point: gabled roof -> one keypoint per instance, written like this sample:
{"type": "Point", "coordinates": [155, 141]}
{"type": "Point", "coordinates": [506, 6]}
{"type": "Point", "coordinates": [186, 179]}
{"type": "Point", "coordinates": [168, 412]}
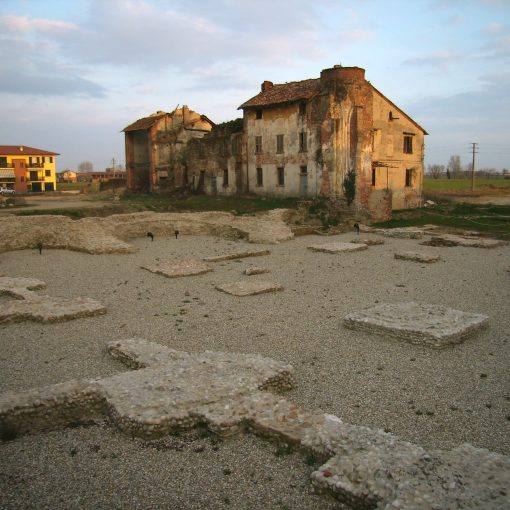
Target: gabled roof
{"type": "Point", "coordinates": [145, 122]}
{"type": "Point", "coordinates": [24, 150]}
{"type": "Point", "coordinates": [399, 109]}
{"type": "Point", "coordinates": [285, 93]}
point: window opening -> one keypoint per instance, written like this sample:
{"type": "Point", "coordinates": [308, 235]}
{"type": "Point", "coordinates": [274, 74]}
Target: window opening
{"type": "Point", "coordinates": [281, 176]}
{"type": "Point", "coordinates": [279, 144]}
{"type": "Point", "coordinates": [260, 181]}
{"type": "Point", "coordinates": [302, 141]}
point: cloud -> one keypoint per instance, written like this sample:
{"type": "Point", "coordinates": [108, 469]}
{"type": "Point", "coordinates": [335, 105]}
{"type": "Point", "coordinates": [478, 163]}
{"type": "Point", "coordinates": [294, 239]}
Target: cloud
{"type": "Point", "coordinates": [24, 24]}
{"type": "Point", "coordinates": [187, 35]}
{"type": "Point", "coordinates": [435, 59]}
{"type": "Point", "coordinates": [498, 45]}
{"type": "Point", "coordinates": [27, 68]}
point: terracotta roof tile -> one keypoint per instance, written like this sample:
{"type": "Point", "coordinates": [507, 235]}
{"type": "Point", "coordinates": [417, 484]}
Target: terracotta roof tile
{"type": "Point", "coordinates": [285, 93]}
{"type": "Point", "coordinates": [24, 150]}
{"type": "Point", "coordinates": [145, 122]}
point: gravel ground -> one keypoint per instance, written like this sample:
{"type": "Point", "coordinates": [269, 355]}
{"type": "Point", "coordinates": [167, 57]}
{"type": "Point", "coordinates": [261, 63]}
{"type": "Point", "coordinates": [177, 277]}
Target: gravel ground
{"type": "Point", "coordinates": [435, 398]}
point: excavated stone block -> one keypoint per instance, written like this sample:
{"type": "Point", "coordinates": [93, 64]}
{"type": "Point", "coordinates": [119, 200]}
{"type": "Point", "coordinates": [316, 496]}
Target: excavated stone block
{"type": "Point", "coordinates": [372, 469]}
{"type": "Point", "coordinates": [249, 287]}
{"type": "Point", "coordinates": [430, 325]}
{"type": "Point", "coordinates": [49, 309]}
{"type": "Point", "coordinates": [238, 255]}
{"type": "Point", "coordinates": [369, 241]}
{"type": "Point", "coordinates": [255, 270]}
{"type": "Point", "coordinates": [41, 308]}
{"type": "Point", "coordinates": [471, 242]}
{"type": "Point", "coordinates": [228, 392]}
{"type": "Point", "coordinates": [415, 256]}
{"type": "Point", "coordinates": [337, 247]}
{"type": "Point", "coordinates": [20, 288]}
{"type": "Point", "coordinates": [190, 267]}
{"type": "Point", "coordinates": [401, 233]}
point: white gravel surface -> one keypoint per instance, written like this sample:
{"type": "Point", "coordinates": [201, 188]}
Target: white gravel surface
{"type": "Point", "coordinates": [434, 398]}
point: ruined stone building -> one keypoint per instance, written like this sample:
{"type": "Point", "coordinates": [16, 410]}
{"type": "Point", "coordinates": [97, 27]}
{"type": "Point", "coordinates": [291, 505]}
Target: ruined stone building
{"type": "Point", "coordinates": [156, 148]}
{"type": "Point", "coordinates": [302, 138]}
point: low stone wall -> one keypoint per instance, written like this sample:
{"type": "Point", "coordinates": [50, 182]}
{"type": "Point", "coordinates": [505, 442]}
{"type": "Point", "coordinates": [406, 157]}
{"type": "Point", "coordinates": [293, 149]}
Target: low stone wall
{"type": "Point", "coordinates": [110, 234]}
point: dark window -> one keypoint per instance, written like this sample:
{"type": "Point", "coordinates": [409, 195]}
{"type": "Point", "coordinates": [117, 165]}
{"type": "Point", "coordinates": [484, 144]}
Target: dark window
{"type": "Point", "coordinates": [408, 144]}
{"type": "Point", "coordinates": [22, 179]}
{"type": "Point", "coordinates": [38, 159]}
{"type": "Point", "coordinates": [281, 176]}
{"type": "Point", "coordinates": [44, 159]}
{"type": "Point", "coordinates": [30, 161]}
{"type": "Point", "coordinates": [47, 173]}
{"type": "Point", "coordinates": [51, 159]}
{"type": "Point", "coordinates": [260, 180]}
{"type": "Point", "coordinates": [258, 113]}
{"type": "Point", "coordinates": [279, 144]}
{"type": "Point", "coordinates": [225, 178]}
{"type": "Point", "coordinates": [409, 176]}
{"type": "Point", "coordinates": [303, 170]}
{"type": "Point", "coordinates": [302, 142]}
{"type": "Point", "coordinates": [258, 144]}
{"type": "Point", "coordinates": [373, 176]}
{"type": "Point", "coordinates": [302, 108]}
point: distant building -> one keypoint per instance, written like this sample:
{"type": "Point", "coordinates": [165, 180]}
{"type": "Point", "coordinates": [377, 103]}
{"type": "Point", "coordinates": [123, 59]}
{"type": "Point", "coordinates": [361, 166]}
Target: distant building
{"type": "Point", "coordinates": [27, 168]}
{"type": "Point", "coordinates": [67, 176]}
{"type": "Point", "coordinates": [156, 148]}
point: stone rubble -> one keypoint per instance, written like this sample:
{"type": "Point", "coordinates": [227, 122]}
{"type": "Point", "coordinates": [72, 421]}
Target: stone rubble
{"type": "Point", "coordinates": [337, 247]}
{"type": "Point", "coordinates": [250, 271]}
{"type": "Point", "coordinates": [175, 269]}
{"type": "Point", "coordinates": [28, 305]}
{"type": "Point", "coordinates": [249, 287]}
{"type": "Point", "coordinates": [369, 241]}
{"type": "Point", "coordinates": [429, 325]}
{"type": "Point", "coordinates": [237, 255]}
{"type": "Point", "coordinates": [110, 234]}
{"type": "Point", "coordinates": [415, 256]}
{"type": "Point", "coordinates": [457, 240]}
{"type": "Point", "coordinates": [172, 390]}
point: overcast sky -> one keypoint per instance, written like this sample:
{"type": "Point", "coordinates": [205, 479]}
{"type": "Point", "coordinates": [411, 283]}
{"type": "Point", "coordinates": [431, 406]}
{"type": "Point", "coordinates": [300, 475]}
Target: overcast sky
{"type": "Point", "coordinates": [74, 73]}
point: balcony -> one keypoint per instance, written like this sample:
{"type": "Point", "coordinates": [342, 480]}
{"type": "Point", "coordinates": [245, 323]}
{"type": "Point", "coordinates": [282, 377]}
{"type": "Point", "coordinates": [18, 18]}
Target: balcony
{"type": "Point", "coordinates": [6, 165]}
{"type": "Point", "coordinates": [35, 165]}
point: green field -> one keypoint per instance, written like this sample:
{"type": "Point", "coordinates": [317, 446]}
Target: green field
{"type": "Point", "coordinates": [493, 220]}
{"type": "Point", "coordinates": [464, 184]}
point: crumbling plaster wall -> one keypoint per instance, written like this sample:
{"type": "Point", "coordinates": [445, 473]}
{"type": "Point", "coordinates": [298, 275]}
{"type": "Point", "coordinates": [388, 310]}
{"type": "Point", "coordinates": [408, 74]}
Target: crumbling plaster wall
{"type": "Point", "coordinates": [390, 127]}
{"type": "Point", "coordinates": [346, 132]}
{"type": "Point", "coordinates": [212, 156]}
{"type": "Point", "coordinates": [282, 120]}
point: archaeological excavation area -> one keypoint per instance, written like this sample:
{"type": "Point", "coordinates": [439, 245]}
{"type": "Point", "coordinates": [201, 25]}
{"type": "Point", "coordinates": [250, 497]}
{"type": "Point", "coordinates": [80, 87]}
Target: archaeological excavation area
{"type": "Point", "coordinates": [236, 366]}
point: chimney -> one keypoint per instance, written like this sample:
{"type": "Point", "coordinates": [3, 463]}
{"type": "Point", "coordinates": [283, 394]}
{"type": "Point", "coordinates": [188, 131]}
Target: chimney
{"type": "Point", "coordinates": [266, 85]}
{"type": "Point", "coordinates": [21, 148]}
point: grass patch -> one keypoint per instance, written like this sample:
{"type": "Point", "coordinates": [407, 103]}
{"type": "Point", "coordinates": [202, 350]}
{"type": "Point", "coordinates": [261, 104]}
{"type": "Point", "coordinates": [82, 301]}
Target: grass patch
{"type": "Point", "coordinates": [465, 184]}
{"type": "Point", "coordinates": [493, 220]}
{"type": "Point", "coordinates": [193, 203]}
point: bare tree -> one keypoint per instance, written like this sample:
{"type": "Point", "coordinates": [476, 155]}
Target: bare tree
{"type": "Point", "coordinates": [455, 166]}
{"type": "Point", "coordinates": [86, 167]}
{"type": "Point", "coordinates": [435, 171]}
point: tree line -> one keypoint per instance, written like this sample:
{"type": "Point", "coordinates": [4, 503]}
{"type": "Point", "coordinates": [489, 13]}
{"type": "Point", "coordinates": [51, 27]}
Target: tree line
{"type": "Point", "coordinates": [456, 170]}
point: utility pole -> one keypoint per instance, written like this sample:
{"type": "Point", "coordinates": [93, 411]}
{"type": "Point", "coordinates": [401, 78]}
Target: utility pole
{"type": "Point", "coordinates": [474, 150]}
{"type": "Point", "coordinates": [113, 164]}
